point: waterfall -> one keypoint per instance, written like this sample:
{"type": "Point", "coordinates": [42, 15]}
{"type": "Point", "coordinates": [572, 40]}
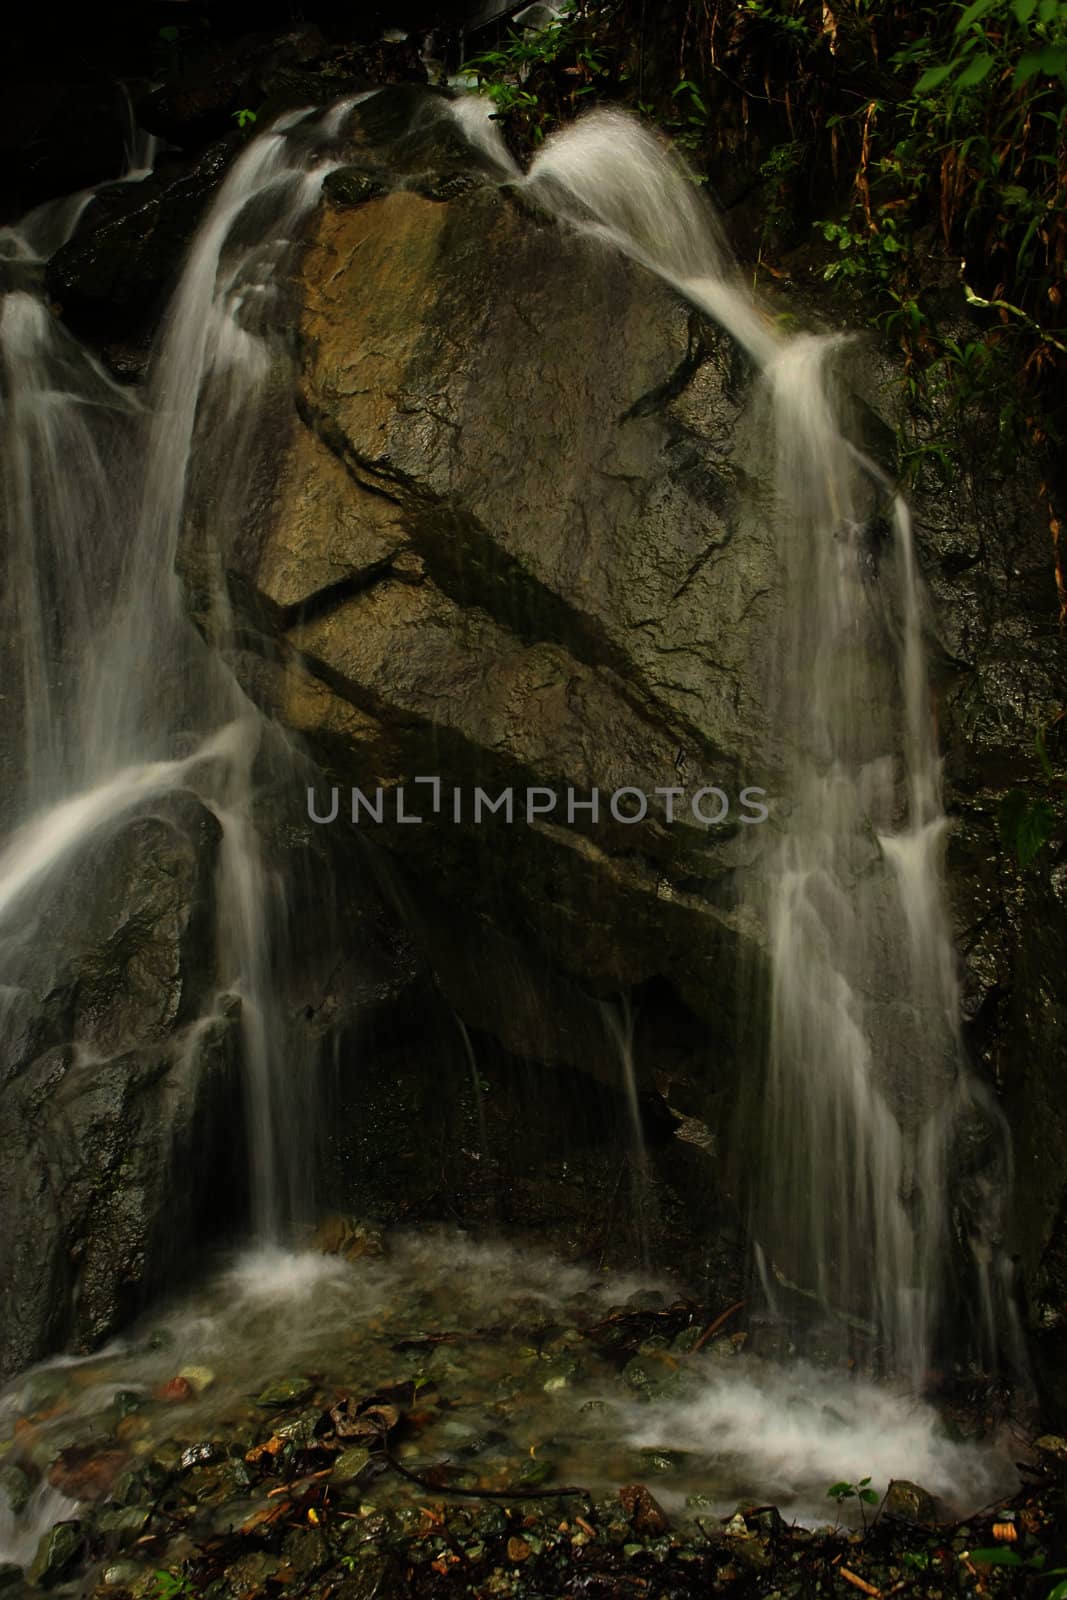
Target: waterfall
{"type": "Point", "coordinates": [865, 1095]}
{"type": "Point", "coordinates": [860, 1204]}
{"type": "Point", "coordinates": [124, 702]}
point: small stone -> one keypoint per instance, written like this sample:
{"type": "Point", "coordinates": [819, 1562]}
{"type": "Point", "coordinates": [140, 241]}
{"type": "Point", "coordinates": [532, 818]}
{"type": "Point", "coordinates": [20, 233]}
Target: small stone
{"type": "Point", "coordinates": [123, 1523]}
{"type": "Point", "coordinates": [200, 1455]}
{"type": "Point", "coordinates": [83, 1473]}
{"type": "Point", "coordinates": [348, 186]}
{"type": "Point", "coordinates": [647, 1516]}
{"type": "Point", "coordinates": [175, 1390]}
{"type": "Point", "coordinates": [518, 1550]}
{"type": "Point", "coordinates": [120, 1574]}
{"type": "Point", "coordinates": [286, 1392]}
{"type": "Point", "coordinates": [199, 1378]}
{"type": "Point", "coordinates": [57, 1551]}
{"type": "Point", "coordinates": [490, 1520]}
{"type": "Point", "coordinates": [636, 1374]}
{"type": "Point", "coordinates": [299, 1429]}
{"type": "Point", "coordinates": [646, 1300]}
{"type": "Point", "coordinates": [350, 1465]}
{"type": "Point", "coordinates": [1052, 1444]}
{"type": "Point", "coordinates": [535, 1473]}
{"type": "Point", "coordinates": [16, 1486]}
{"type": "Point", "coordinates": [909, 1502]}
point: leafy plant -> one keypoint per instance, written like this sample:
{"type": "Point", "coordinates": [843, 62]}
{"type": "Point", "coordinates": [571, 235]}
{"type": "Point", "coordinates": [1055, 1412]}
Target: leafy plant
{"type": "Point", "coordinates": [1036, 31]}
{"type": "Point", "coordinates": [1004, 1556]}
{"type": "Point", "coordinates": [1028, 821]}
{"type": "Point", "coordinates": [689, 126]}
{"type": "Point", "coordinates": [170, 1586]}
{"type": "Point", "coordinates": [538, 77]}
{"type": "Point", "coordinates": [244, 118]}
{"type": "Point", "coordinates": [858, 1491]}
{"type": "Point", "coordinates": [861, 1492]}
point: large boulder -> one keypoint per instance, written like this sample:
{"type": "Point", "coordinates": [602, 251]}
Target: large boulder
{"type": "Point", "coordinates": [502, 550]}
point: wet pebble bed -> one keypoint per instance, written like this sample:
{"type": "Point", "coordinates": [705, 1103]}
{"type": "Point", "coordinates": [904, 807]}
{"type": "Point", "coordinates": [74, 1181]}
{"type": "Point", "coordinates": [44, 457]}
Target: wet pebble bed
{"type": "Point", "coordinates": [428, 1414]}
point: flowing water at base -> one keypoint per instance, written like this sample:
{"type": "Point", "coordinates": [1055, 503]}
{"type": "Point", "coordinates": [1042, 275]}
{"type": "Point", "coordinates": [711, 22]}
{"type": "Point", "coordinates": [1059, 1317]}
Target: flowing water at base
{"type": "Point", "coordinates": [526, 1372]}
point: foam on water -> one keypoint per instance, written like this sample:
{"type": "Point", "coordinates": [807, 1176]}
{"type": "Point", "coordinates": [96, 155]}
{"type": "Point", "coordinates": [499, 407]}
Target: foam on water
{"type": "Point", "coordinates": [785, 1434]}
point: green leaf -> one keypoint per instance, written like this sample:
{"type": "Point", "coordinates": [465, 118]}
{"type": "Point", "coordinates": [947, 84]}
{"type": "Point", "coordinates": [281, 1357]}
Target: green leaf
{"type": "Point", "coordinates": [1059, 1592]}
{"type": "Point", "coordinates": [1051, 61]}
{"type": "Point", "coordinates": [168, 35]}
{"type": "Point", "coordinates": [975, 71]}
{"type": "Point", "coordinates": [839, 1491]}
{"type": "Point", "coordinates": [869, 1497]}
{"type": "Point", "coordinates": [1023, 10]}
{"type": "Point", "coordinates": [976, 11]}
{"type": "Point", "coordinates": [998, 1556]}
{"type": "Point", "coordinates": [1047, 10]}
{"type": "Point", "coordinates": [934, 77]}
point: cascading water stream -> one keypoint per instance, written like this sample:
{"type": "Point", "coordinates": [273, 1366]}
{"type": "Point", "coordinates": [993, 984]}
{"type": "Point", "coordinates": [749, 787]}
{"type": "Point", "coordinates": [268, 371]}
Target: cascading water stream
{"type": "Point", "coordinates": [98, 487]}
{"type": "Point", "coordinates": [866, 1089]}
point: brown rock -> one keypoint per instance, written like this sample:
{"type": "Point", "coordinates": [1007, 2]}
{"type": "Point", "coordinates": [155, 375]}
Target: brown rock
{"type": "Point", "coordinates": [177, 1389]}
{"type": "Point", "coordinates": [646, 1515]}
{"type": "Point", "coordinates": [84, 1473]}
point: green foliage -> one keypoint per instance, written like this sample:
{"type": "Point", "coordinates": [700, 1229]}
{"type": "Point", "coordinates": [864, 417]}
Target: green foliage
{"type": "Point", "coordinates": [1005, 1556]}
{"type": "Point", "coordinates": [853, 1491]}
{"type": "Point", "coordinates": [965, 163]}
{"type": "Point", "coordinates": [537, 79]}
{"type": "Point", "coordinates": [169, 1586]}
{"type": "Point", "coordinates": [688, 120]}
{"type": "Point", "coordinates": [1032, 32]}
{"type": "Point", "coordinates": [1028, 820]}
{"type": "Point", "coordinates": [244, 118]}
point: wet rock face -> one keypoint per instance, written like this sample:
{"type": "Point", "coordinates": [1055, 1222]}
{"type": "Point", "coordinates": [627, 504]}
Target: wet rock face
{"type": "Point", "coordinates": [502, 548]}
{"type": "Point", "coordinates": [126, 1134]}
{"type": "Point", "coordinates": [114, 273]}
